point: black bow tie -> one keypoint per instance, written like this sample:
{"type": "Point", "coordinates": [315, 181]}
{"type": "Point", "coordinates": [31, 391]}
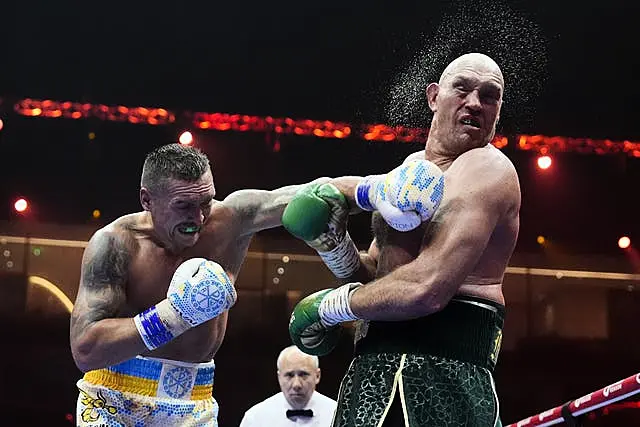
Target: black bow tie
{"type": "Point", "coordinates": [299, 413]}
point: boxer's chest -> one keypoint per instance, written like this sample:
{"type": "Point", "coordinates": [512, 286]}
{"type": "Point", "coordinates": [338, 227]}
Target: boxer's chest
{"type": "Point", "coordinates": [152, 270]}
{"type": "Point", "coordinates": [396, 248]}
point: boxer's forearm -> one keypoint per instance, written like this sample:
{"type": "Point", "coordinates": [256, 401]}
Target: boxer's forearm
{"type": "Point", "coordinates": [405, 293]}
{"type": "Point", "coordinates": [402, 301]}
{"type": "Point", "coordinates": [107, 342]}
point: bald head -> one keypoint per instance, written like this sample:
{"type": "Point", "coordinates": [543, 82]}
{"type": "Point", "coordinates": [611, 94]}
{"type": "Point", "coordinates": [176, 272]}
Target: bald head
{"type": "Point", "coordinates": [298, 375]}
{"type": "Point", "coordinates": [466, 105]}
{"type": "Point", "coordinates": [293, 352]}
{"type": "Point", "coordinates": [477, 62]}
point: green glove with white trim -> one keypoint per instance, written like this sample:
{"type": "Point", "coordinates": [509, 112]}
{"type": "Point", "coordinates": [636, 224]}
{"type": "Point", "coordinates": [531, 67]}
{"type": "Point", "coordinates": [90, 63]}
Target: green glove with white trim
{"type": "Point", "coordinates": [315, 322]}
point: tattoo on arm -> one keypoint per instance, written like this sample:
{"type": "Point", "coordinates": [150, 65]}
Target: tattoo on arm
{"type": "Point", "coordinates": [262, 209]}
{"type": "Point", "coordinates": [105, 268]}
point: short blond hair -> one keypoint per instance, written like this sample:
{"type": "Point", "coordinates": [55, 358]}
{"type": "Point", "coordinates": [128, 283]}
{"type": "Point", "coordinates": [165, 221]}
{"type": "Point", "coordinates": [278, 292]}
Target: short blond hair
{"type": "Point", "coordinates": [293, 348]}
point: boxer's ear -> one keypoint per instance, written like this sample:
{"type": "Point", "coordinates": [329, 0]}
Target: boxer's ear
{"type": "Point", "coordinates": [432, 94]}
{"type": "Point", "coordinates": [145, 199]}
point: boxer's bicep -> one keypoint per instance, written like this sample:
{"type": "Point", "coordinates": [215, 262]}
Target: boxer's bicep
{"type": "Point", "coordinates": [458, 235]}
{"type": "Point", "coordinates": [458, 240]}
{"type": "Point", "coordinates": [262, 209]}
{"type": "Point", "coordinates": [103, 278]}
{"type": "Point", "coordinates": [426, 284]}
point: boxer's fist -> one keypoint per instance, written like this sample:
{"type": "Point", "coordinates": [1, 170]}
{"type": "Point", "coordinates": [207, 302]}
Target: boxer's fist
{"type": "Point", "coordinates": [318, 215]}
{"type": "Point", "coordinates": [306, 329]}
{"type": "Point", "coordinates": [200, 290]}
{"type": "Point", "coordinates": [405, 197]}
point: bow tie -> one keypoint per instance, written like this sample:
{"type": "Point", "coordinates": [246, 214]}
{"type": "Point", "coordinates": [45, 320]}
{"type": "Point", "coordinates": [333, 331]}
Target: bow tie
{"type": "Point", "coordinates": [299, 413]}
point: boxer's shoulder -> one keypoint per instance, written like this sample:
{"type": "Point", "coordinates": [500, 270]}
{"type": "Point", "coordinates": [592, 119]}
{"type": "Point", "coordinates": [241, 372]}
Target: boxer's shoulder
{"type": "Point", "coordinates": [481, 166]}
{"type": "Point", "coordinates": [484, 176]}
{"type": "Point", "coordinates": [121, 234]}
{"type": "Point", "coordinates": [418, 155]}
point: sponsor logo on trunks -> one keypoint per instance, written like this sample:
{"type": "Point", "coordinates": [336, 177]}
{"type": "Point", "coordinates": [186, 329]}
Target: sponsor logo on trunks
{"type": "Point", "coordinates": [612, 388]}
{"type": "Point", "coordinates": [524, 422]}
{"type": "Point", "coordinates": [638, 378]}
{"type": "Point", "coordinates": [583, 400]}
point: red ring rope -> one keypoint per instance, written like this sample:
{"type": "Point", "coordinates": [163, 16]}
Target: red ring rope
{"type": "Point", "coordinates": [587, 403]}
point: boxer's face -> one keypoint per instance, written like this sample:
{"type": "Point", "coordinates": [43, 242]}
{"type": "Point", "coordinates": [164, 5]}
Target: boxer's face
{"type": "Point", "coordinates": [298, 378]}
{"type": "Point", "coordinates": [180, 210]}
{"type": "Point", "coordinates": [466, 105]}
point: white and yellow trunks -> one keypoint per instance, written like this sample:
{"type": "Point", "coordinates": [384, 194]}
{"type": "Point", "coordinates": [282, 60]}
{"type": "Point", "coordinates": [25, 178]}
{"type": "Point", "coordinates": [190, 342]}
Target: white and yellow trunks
{"type": "Point", "coordinates": [148, 392]}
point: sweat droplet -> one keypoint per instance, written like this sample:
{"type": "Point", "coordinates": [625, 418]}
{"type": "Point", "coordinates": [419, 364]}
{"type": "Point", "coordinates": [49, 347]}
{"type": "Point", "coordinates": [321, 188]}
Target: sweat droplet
{"type": "Point", "coordinates": [513, 40]}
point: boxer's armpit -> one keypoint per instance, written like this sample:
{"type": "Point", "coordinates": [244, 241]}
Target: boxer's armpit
{"type": "Point", "coordinates": [105, 268]}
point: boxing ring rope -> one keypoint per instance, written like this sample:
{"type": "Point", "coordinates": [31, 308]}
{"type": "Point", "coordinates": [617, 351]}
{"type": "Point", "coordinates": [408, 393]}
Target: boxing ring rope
{"type": "Point", "coordinates": [587, 403]}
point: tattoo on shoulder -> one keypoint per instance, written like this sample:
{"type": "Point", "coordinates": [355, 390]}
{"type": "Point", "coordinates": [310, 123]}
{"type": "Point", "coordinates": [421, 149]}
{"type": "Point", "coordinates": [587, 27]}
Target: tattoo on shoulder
{"type": "Point", "coordinates": [103, 281]}
{"type": "Point", "coordinates": [109, 262]}
{"type": "Point", "coordinates": [242, 202]}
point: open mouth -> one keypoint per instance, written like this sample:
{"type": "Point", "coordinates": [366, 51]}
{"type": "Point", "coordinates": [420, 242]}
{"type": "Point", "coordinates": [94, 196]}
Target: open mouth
{"type": "Point", "coordinates": [188, 229]}
{"type": "Point", "coordinates": [471, 121]}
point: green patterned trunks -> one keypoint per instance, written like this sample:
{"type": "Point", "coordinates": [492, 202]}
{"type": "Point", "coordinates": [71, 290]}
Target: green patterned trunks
{"type": "Point", "coordinates": [433, 371]}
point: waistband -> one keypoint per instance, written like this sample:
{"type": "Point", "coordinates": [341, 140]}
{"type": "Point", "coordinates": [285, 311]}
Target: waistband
{"type": "Point", "coordinates": [468, 329]}
{"type": "Point", "coordinates": [157, 378]}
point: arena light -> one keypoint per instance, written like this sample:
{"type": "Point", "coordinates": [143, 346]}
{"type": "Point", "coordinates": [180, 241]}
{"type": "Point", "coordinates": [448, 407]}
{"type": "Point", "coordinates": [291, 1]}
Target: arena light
{"type": "Point", "coordinates": [1, 124]}
{"type": "Point", "coordinates": [544, 162]}
{"type": "Point", "coordinates": [186, 138]}
{"type": "Point", "coordinates": [540, 144]}
{"type": "Point", "coordinates": [624, 242]}
{"type": "Point", "coordinates": [21, 205]}
{"type": "Point", "coordinates": [541, 240]}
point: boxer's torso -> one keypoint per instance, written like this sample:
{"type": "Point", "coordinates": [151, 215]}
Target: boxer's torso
{"type": "Point", "coordinates": [152, 268]}
{"type": "Point", "coordinates": [485, 280]}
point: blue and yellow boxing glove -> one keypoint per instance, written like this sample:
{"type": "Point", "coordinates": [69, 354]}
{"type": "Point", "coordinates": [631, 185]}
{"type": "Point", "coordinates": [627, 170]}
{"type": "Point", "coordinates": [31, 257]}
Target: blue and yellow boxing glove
{"type": "Point", "coordinates": [405, 197]}
{"type": "Point", "coordinates": [314, 326]}
{"type": "Point", "coordinates": [199, 291]}
{"type": "Point", "coordinates": [318, 214]}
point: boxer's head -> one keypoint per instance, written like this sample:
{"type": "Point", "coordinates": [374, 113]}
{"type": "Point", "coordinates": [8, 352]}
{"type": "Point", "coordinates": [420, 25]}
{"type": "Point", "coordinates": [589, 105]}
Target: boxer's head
{"type": "Point", "coordinates": [466, 103]}
{"type": "Point", "coordinates": [298, 375]}
{"type": "Point", "coordinates": [177, 189]}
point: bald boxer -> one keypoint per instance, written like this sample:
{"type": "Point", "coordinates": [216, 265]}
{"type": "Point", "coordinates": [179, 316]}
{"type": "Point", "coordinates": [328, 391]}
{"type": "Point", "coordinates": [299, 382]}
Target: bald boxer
{"type": "Point", "coordinates": [430, 323]}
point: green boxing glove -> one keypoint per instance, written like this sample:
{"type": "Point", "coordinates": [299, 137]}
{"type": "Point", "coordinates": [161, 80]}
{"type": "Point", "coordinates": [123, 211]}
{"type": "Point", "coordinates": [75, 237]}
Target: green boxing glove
{"type": "Point", "coordinates": [314, 324]}
{"type": "Point", "coordinates": [318, 214]}
{"type": "Point", "coordinates": [307, 214]}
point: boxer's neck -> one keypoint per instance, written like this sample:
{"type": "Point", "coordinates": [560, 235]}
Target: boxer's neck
{"type": "Point", "coordinates": [435, 153]}
{"type": "Point", "coordinates": [439, 153]}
